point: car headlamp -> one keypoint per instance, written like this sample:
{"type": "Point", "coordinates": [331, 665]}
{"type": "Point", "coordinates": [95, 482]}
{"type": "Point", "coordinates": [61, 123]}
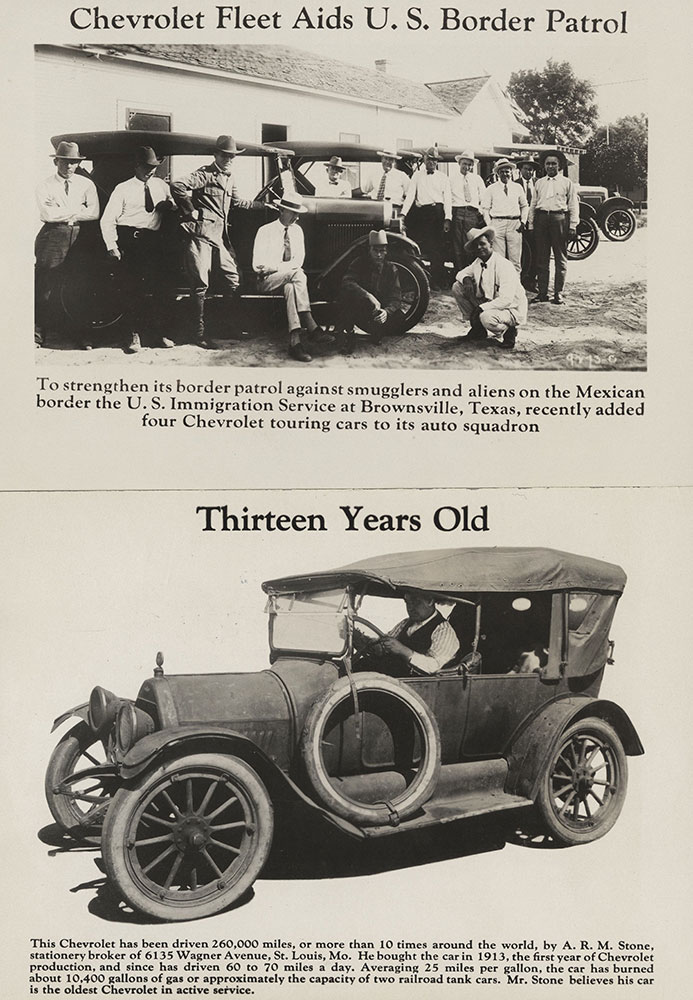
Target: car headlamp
{"type": "Point", "coordinates": [132, 724]}
{"type": "Point", "coordinates": [103, 706]}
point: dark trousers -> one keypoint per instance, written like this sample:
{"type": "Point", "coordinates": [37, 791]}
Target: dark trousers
{"type": "Point", "coordinates": [425, 226]}
{"type": "Point", "coordinates": [357, 307]}
{"type": "Point", "coordinates": [551, 235]}
{"type": "Point", "coordinates": [529, 260]}
{"type": "Point", "coordinates": [464, 218]}
{"type": "Point", "coordinates": [52, 246]}
{"type": "Point", "coordinates": [141, 277]}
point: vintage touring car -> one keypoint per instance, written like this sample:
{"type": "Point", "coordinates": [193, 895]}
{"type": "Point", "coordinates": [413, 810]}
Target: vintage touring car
{"type": "Point", "coordinates": [336, 230]}
{"type": "Point", "coordinates": [196, 764]}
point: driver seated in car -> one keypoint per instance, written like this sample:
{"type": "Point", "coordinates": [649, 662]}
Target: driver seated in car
{"type": "Point", "coordinates": [422, 643]}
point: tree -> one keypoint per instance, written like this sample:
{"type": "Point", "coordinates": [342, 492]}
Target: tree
{"type": "Point", "coordinates": [559, 107]}
{"type": "Point", "coordinates": [616, 155]}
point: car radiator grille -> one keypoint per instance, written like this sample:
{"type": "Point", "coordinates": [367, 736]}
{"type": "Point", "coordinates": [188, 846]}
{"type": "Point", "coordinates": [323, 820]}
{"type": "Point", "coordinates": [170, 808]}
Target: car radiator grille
{"type": "Point", "coordinates": [341, 235]}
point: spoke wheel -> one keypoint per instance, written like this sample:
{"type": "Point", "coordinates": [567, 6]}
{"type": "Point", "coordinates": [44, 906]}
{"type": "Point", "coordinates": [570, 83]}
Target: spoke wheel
{"type": "Point", "coordinates": [585, 241]}
{"type": "Point", "coordinates": [584, 786]}
{"type": "Point", "coordinates": [78, 804]}
{"type": "Point", "coordinates": [190, 838]}
{"type": "Point", "coordinates": [620, 224]}
{"type": "Point", "coordinates": [415, 288]}
{"type": "Point", "coordinates": [92, 299]}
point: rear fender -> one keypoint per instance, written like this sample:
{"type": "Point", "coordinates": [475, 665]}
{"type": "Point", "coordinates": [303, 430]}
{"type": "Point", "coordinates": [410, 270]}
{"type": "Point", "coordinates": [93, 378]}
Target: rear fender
{"type": "Point", "coordinates": [610, 204]}
{"type": "Point", "coordinates": [533, 748]}
{"type": "Point", "coordinates": [395, 241]}
{"type": "Point", "coordinates": [79, 711]}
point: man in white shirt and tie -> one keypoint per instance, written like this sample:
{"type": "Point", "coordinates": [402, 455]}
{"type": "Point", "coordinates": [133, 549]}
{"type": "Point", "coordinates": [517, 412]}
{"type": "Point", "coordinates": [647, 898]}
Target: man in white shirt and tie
{"type": "Point", "coordinates": [505, 209]}
{"type": "Point", "coordinates": [278, 255]}
{"type": "Point", "coordinates": [391, 184]}
{"type": "Point", "coordinates": [66, 199]}
{"type": "Point", "coordinates": [334, 184]}
{"type": "Point", "coordinates": [131, 230]}
{"type": "Point", "coordinates": [468, 191]}
{"type": "Point", "coordinates": [554, 216]}
{"type": "Point", "coordinates": [428, 211]}
{"type": "Point", "coordinates": [489, 292]}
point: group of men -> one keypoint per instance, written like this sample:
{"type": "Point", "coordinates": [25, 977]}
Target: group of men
{"type": "Point", "coordinates": [485, 224]}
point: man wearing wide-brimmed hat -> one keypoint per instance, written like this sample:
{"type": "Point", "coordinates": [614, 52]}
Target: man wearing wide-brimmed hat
{"type": "Point", "coordinates": [334, 184]}
{"type": "Point", "coordinates": [489, 292]}
{"type": "Point", "coordinates": [205, 198]}
{"type": "Point", "coordinates": [65, 200]}
{"type": "Point", "coordinates": [468, 190]}
{"type": "Point", "coordinates": [278, 256]}
{"type": "Point", "coordinates": [131, 230]}
{"type": "Point", "coordinates": [505, 208]}
{"type": "Point", "coordinates": [370, 296]}
{"type": "Point", "coordinates": [390, 184]}
{"type": "Point", "coordinates": [428, 211]}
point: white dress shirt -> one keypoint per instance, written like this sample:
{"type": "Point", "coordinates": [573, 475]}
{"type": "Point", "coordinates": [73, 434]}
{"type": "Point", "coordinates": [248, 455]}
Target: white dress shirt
{"type": "Point", "coordinates": [498, 283]}
{"type": "Point", "coordinates": [396, 184]}
{"type": "Point", "coordinates": [325, 188]}
{"type": "Point", "coordinates": [429, 189]}
{"type": "Point", "coordinates": [556, 194]}
{"type": "Point", "coordinates": [497, 204]}
{"type": "Point", "coordinates": [444, 645]}
{"type": "Point", "coordinates": [268, 251]}
{"type": "Point", "coordinates": [79, 204]}
{"type": "Point", "coordinates": [471, 194]}
{"type": "Point", "coordinates": [126, 208]}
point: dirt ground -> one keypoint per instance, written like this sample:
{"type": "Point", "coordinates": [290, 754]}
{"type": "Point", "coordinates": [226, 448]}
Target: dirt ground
{"type": "Point", "coordinates": [602, 325]}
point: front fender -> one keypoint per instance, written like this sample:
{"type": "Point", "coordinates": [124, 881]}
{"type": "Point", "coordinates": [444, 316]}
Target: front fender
{"type": "Point", "coordinates": [533, 748]}
{"type": "Point", "coordinates": [79, 711]}
{"type": "Point", "coordinates": [394, 240]}
{"type": "Point", "coordinates": [587, 212]}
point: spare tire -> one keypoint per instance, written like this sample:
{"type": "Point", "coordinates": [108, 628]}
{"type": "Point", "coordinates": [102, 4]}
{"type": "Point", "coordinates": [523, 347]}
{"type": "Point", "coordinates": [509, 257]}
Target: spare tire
{"type": "Point", "coordinates": [404, 726]}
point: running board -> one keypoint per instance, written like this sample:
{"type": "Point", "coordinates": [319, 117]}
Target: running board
{"type": "Point", "coordinates": [451, 810]}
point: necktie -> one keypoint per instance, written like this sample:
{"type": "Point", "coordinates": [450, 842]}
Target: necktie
{"type": "Point", "coordinates": [467, 192]}
{"type": "Point", "coordinates": [505, 188]}
{"type": "Point", "coordinates": [529, 193]}
{"type": "Point", "coordinates": [482, 293]}
{"type": "Point", "coordinates": [381, 189]}
{"type": "Point", "coordinates": [67, 188]}
{"type": "Point", "coordinates": [148, 200]}
{"type": "Point", "coordinates": [287, 244]}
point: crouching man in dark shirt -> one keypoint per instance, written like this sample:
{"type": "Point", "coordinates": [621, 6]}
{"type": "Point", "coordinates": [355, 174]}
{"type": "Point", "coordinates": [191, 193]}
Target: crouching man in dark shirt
{"type": "Point", "coordinates": [370, 297]}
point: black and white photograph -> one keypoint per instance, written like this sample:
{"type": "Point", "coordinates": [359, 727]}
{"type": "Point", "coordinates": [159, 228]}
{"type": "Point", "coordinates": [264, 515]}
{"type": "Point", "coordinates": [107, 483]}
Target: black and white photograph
{"type": "Point", "coordinates": [272, 205]}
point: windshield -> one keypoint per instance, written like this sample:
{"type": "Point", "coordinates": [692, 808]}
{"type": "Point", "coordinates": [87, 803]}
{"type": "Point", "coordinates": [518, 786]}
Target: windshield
{"type": "Point", "coordinates": [309, 622]}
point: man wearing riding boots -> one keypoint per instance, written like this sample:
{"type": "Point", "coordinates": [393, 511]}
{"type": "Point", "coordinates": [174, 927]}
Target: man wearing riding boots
{"type": "Point", "coordinates": [468, 190]}
{"type": "Point", "coordinates": [422, 643]}
{"type": "Point", "coordinates": [131, 230]}
{"type": "Point", "coordinates": [554, 216]}
{"type": "Point", "coordinates": [489, 293]}
{"type": "Point", "coordinates": [205, 198]}
{"type": "Point", "coordinates": [278, 256]}
{"type": "Point", "coordinates": [65, 200]}
{"type": "Point", "coordinates": [334, 184]}
{"type": "Point", "coordinates": [428, 211]}
{"type": "Point", "coordinates": [370, 296]}
{"type": "Point", "coordinates": [526, 180]}
{"type": "Point", "coordinates": [390, 185]}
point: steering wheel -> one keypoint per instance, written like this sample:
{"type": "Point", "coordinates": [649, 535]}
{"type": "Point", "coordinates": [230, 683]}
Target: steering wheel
{"type": "Point", "coordinates": [373, 628]}
{"type": "Point", "coordinates": [271, 190]}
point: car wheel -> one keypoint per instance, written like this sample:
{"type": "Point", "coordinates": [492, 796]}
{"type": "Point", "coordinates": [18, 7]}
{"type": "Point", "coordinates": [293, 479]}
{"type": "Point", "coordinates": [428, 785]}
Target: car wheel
{"type": "Point", "coordinates": [337, 744]}
{"type": "Point", "coordinates": [92, 299]}
{"type": "Point", "coordinates": [585, 241]}
{"type": "Point", "coordinates": [584, 785]}
{"type": "Point", "coordinates": [78, 805]}
{"type": "Point", "coordinates": [414, 285]}
{"type": "Point", "coordinates": [619, 224]}
{"type": "Point", "coordinates": [190, 838]}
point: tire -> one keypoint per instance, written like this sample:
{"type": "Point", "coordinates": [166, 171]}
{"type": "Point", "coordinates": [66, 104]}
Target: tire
{"type": "Point", "coordinates": [415, 288]}
{"type": "Point", "coordinates": [585, 241]}
{"type": "Point", "coordinates": [164, 854]}
{"type": "Point", "coordinates": [91, 297]}
{"type": "Point", "coordinates": [80, 807]}
{"type": "Point", "coordinates": [619, 224]}
{"type": "Point", "coordinates": [402, 714]}
{"type": "Point", "coordinates": [584, 785]}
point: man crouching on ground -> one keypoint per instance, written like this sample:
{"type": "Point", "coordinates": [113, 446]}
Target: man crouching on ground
{"type": "Point", "coordinates": [489, 292]}
{"type": "Point", "coordinates": [370, 296]}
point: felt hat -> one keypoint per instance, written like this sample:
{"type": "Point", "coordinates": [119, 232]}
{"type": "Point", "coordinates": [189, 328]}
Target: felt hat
{"type": "Point", "coordinates": [227, 144]}
{"type": "Point", "coordinates": [474, 235]}
{"type": "Point", "coordinates": [291, 202]}
{"type": "Point", "coordinates": [377, 238]}
{"type": "Point", "coordinates": [467, 154]}
{"type": "Point", "coordinates": [336, 162]}
{"type": "Point", "coordinates": [146, 157]}
{"type": "Point", "coordinates": [67, 151]}
{"type": "Point", "coordinates": [389, 154]}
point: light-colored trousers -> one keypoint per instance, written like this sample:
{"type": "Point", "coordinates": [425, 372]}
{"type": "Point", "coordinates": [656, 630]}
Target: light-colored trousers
{"type": "Point", "coordinates": [295, 288]}
{"type": "Point", "coordinates": [494, 321]}
{"type": "Point", "coordinates": [508, 242]}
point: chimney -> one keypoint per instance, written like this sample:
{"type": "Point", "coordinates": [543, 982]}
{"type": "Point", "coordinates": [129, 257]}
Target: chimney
{"type": "Point", "coordinates": [381, 65]}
